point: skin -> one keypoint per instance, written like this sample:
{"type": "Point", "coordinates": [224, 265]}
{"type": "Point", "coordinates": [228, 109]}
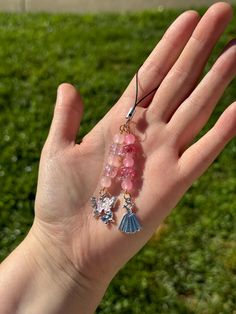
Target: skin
{"type": "Point", "coordinates": [68, 258]}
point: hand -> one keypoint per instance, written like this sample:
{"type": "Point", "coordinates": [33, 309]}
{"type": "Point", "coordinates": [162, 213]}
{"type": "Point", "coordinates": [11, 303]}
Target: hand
{"type": "Point", "coordinates": [167, 124]}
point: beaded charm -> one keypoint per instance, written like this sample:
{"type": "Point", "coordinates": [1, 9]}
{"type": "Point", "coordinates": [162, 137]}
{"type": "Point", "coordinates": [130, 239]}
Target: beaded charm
{"type": "Point", "coordinates": [120, 167]}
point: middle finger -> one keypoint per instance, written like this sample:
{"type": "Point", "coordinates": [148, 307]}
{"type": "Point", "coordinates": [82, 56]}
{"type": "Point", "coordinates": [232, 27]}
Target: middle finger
{"type": "Point", "coordinates": [181, 79]}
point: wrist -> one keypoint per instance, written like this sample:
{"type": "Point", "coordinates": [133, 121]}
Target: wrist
{"type": "Point", "coordinates": [41, 279]}
{"type": "Point", "coordinates": [77, 292]}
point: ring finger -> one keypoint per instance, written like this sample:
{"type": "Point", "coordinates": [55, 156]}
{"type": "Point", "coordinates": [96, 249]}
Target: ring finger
{"type": "Point", "coordinates": [192, 115]}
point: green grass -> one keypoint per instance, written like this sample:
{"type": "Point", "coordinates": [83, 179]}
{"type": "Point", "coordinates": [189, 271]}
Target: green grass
{"type": "Point", "coordinates": [188, 267]}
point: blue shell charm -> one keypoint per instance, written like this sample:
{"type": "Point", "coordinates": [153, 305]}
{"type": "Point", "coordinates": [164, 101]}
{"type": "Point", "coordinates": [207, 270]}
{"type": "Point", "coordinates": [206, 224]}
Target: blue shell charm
{"type": "Point", "coordinates": [129, 223]}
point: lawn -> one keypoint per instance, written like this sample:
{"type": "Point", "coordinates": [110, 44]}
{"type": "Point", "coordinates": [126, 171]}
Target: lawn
{"type": "Point", "coordinates": [189, 266]}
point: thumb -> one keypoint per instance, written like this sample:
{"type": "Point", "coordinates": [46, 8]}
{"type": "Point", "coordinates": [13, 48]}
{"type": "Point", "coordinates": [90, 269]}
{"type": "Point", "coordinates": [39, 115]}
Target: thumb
{"type": "Point", "coordinates": [67, 116]}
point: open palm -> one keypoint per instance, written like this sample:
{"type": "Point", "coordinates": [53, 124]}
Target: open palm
{"type": "Point", "coordinates": [166, 125]}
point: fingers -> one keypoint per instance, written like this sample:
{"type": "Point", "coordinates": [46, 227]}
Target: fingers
{"type": "Point", "coordinates": [162, 58]}
{"type": "Point", "coordinates": [197, 158]}
{"type": "Point", "coordinates": [67, 115]}
{"type": "Point", "coordinates": [182, 78]}
{"type": "Point", "coordinates": [193, 114]}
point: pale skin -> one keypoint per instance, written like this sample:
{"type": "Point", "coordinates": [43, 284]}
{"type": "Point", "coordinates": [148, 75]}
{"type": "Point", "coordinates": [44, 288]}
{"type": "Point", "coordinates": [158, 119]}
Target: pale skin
{"type": "Point", "coordinates": [67, 260]}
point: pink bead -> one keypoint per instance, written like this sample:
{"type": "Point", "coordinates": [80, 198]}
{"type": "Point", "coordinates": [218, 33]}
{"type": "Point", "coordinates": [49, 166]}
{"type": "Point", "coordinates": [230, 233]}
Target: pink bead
{"type": "Point", "coordinates": [128, 161]}
{"type": "Point", "coordinates": [129, 139]}
{"type": "Point", "coordinates": [129, 149]}
{"type": "Point", "coordinates": [127, 184]}
{"type": "Point", "coordinates": [119, 138]}
{"type": "Point", "coordinates": [126, 172]}
{"type": "Point", "coordinates": [110, 171]}
{"type": "Point", "coordinates": [106, 182]}
{"type": "Point", "coordinates": [114, 160]}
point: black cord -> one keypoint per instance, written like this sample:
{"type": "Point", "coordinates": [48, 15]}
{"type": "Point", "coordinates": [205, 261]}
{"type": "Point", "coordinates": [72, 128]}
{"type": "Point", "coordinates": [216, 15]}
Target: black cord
{"type": "Point", "coordinates": [136, 96]}
{"type": "Point", "coordinates": [152, 91]}
{"type": "Point", "coordinates": [132, 109]}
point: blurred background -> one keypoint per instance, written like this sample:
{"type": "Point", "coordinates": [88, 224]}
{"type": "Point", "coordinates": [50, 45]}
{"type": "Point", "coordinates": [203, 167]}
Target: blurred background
{"type": "Point", "coordinates": [189, 266]}
{"type": "Point", "coordinates": [98, 5]}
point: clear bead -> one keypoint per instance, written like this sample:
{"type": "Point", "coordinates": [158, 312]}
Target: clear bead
{"type": "Point", "coordinates": [110, 171]}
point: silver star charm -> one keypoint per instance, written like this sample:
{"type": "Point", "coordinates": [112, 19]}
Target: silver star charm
{"type": "Point", "coordinates": [102, 207]}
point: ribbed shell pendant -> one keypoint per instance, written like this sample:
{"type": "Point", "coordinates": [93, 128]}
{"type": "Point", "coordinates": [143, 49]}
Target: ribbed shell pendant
{"type": "Point", "coordinates": [129, 222]}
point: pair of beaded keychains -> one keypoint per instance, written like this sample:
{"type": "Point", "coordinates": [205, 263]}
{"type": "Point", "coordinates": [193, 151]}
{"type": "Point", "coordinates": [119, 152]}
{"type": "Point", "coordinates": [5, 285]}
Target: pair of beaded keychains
{"type": "Point", "coordinates": [120, 167]}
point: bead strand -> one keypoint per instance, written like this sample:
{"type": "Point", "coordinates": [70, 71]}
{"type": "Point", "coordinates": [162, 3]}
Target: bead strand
{"type": "Point", "coordinates": [120, 162]}
{"type": "Point", "coordinates": [113, 161]}
{"type": "Point", "coordinates": [127, 171]}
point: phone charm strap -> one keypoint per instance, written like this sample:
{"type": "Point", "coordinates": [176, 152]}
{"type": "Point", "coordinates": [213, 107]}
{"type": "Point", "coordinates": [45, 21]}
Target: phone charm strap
{"type": "Point", "coordinates": [120, 166]}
